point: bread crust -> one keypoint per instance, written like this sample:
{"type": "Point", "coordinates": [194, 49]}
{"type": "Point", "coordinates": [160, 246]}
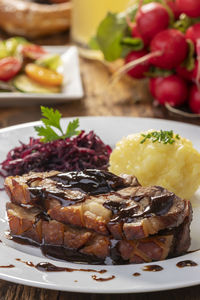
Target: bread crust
{"type": "Point", "coordinates": [33, 20]}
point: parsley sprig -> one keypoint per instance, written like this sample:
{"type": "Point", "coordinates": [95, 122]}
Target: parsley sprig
{"type": "Point", "coordinates": [51, 121]}
{"type": "Point", "coordinates": [162, 136]}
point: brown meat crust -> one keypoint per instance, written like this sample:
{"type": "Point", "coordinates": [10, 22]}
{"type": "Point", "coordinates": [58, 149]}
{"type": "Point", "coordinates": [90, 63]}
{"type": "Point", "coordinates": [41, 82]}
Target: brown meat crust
{"type": "Point", "coordinates": [93, 213]}
{"type": "Point", "coordinates": [31, 224]}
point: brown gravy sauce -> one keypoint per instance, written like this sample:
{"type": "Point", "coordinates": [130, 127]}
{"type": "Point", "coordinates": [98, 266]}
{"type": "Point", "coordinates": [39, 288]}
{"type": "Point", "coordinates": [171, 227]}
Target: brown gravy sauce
{"type": "Point", "coordinates": [186, 263]}
{"type": "Point", "coordinates": [152, 268]}
{"type": "Point", "coordinates": [87, 182]}
{"type": "Point", "coordinates": [123, 211]}
{"type": "Point", "coordinates": [28, 263]}
{"type": "Point", "coordinates": [94, 277]}
{"type": "Point", "coordinates": [48, 267]}
{"type": "Point", "coordinates": [97, 182]}
{"type": "Point", "coordinates": [9, 266]}
{"type": "Point", "coordinates": [136, 274]}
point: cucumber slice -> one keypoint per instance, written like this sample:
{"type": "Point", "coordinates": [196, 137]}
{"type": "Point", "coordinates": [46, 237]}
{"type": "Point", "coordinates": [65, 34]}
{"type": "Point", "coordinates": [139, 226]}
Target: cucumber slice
{"type": "Point", "coordinates": [26, 85]}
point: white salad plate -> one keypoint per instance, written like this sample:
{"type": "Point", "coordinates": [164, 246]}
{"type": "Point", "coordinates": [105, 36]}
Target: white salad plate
{"type": "Point", "coordinates": [110, 129]}
{"type": "Point", "coordinates": [72, 88]}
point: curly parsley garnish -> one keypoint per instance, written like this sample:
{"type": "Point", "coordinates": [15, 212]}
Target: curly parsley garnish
{"type": "Point", "coordinates": [162, 136]}
{"type": "Point", "coordinates": [52, 119]}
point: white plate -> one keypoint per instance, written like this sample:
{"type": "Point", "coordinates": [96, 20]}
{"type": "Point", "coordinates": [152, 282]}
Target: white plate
{"type": "Point", "coordinates": [72, 85]}
{"type": "Point", "coordinates": [110, 129]}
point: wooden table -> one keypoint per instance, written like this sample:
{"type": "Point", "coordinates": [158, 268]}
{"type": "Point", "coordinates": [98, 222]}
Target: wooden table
{"type": "Point", "coordinates": [126, 98]}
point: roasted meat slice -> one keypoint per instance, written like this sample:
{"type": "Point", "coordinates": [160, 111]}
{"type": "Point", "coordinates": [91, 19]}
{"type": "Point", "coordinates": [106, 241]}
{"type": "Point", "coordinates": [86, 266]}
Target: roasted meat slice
{"type": "Point", "coordinates": [68, 242]}
{"type": "Point", "coordinates": [100, 201]}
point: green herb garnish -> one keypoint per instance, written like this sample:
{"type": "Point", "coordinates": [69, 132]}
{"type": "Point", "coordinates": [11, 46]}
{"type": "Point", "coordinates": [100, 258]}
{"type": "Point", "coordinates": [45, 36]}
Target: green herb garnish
{"type": "Point", "coordinates": [52, 119]}
{"type": "Point", "coordinates": [165, 137]}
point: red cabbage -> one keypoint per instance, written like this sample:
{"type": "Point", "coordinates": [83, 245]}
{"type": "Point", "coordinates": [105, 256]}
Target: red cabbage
{"type": "Point", "coordinates": [85, 151]}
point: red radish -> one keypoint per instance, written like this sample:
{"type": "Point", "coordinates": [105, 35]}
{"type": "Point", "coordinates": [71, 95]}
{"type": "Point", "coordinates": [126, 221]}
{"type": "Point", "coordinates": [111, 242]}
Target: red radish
{"type": "Point", "coordinates": [153, 82]}
{"type": "Point", "coordinates": [151, 19]}
{"type": "Point", "coordinates": [190, 7]}
{"type": "Point", "coordinates": [135, 33]}
{"type": "Point", "coordinates": [172, 90]}
{"type": "Point", "coordinates": [168, 50]}
{"type": "Point", "coordinates": [173, 46]}
{"type": "Point", "coordinates": [173, 6]}
{"type": "Point", "coordinates": [138, 71]}
{"type": "Point", "coordinates": [188, 75]}
{"type": "Point", "coordinates": [198, 64]}
{"type": "Point", "coordinates": [193, 33]}
{"type": "Point", "coordinates": [194, 99]}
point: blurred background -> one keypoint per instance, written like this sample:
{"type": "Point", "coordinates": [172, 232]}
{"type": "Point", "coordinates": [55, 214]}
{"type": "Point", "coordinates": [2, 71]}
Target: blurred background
{"type": "Point", "coordinates": [108, 34]}
{"type": "Point", "coordinates": [75, 22]}
{"type": "Point", "coordinates": [130, 58]}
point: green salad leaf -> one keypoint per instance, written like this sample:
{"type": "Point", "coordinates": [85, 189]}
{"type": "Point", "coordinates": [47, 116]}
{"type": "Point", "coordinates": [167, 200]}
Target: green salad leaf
{"type": "Point", "coordinates": [52, 119]}
{"type": "Point", "coordinates": [3, 50]}
{"type": "Point", "coordinates": [50, 61]}
{"type": "Point", "coordinates": [109, 36]}
{"type": "Point", "coordinates": [93, 43]}
{"type": "Point", "coordinates": [9, 47]}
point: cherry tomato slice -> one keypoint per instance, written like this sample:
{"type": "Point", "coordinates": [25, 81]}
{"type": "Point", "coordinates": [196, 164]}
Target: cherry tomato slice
{"type": "Point", "coordinates": [43, 75]}
{"type": "Point", "coordinates": [33, 51]}
{"type": "Point", "coordinates": [9, 67]}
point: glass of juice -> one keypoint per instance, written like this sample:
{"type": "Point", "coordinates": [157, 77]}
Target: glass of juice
{"type": "Point", "coordinates": [87, 14]}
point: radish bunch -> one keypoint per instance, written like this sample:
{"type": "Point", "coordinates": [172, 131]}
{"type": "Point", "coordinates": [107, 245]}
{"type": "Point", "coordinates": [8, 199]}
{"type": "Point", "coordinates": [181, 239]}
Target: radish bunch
{"type": "Point", "coordinates": [171, 51]}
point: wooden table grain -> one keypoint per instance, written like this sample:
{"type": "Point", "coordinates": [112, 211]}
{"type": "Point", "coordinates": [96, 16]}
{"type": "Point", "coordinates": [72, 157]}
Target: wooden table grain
{"type": "Point", "coordinates": [125, 98]}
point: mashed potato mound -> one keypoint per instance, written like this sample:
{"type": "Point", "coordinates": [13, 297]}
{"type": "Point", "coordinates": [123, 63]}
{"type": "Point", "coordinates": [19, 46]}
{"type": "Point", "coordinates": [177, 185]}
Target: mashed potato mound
{"type": "Point", "coordinates": [174, 166]}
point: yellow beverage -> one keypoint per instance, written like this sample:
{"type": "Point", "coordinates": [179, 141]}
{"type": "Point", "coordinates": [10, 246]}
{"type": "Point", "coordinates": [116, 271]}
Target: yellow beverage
{"type": "Point", "coordinates": [87, 14]}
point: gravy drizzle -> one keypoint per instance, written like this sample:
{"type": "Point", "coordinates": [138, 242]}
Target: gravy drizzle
{"type": "Point", "coordinates": [152, 268]}
{"type": "Point", "coordinates": [186, 263]}
{"type": "Point", "coordinates": [28, 263]}
{"type": "Point", "coordinates": [86, 182]}
{"type": "Point", "coordinates": [136, 274]}
{"type": "Point", "coordinates": [9, 266]}
{"type": "Point", "coordinates": [48, 267]}
{"type": "Point", "coordinates": [94, 277]}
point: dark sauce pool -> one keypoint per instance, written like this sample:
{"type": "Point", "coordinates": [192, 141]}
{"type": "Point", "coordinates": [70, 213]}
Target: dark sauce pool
{"type": "Point", "coordinates": [48, 267]}
{"type": "Point", "coordinates": [66, 254]}
{"type": "Point", "coordinates": [136, 274]}
{"type": "Point", "coordinates": [94, 277]}
{"type": "Point", "coordinates": [186, 263]}
{"type": "Point", "coordinates": [152, 268]}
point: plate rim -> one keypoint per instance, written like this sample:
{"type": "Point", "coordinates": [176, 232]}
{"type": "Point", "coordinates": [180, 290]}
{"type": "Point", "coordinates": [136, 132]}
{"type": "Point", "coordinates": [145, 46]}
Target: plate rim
{"type": "Point", "coordinates": [33, 123]}
{"type": "Point", "coordinates": [97, 289]}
